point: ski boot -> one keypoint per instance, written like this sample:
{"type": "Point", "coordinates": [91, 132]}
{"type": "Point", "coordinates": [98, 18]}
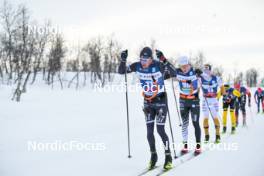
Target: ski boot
{"type": "Point", "coordinates": [206, 139]}
{"type": "Point", "coordinates": [168, 162]}
{"type": "Point", "coordinates": [153, 160]}
{"type": "Point", "coordinates": [224, 130]}
{"type": "Point", "coordinates": [185, 148]}
{"type": "Point", "coordinates": [217, 139]}
{"type": "Point", "coordinates": [233, 130]}
{"type": "Point", "coordinates": [198, 149]}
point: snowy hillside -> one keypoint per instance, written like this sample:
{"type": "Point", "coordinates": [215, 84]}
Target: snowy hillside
{"type": "Point", "coordinates": [98, 119]}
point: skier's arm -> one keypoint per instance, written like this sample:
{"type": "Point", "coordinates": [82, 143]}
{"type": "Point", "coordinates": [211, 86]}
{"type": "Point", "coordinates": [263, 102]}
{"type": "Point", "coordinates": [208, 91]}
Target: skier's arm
{"type": "Point", "coordinates": [198, 72]}
{"type": "Point", "coordinates": [168, 70]}
{"type": "Point", "coordinates": [236, 93]}
{"type": "Point", "coordinates": [166, 67]}
{"type": "Point", "coordinates": [222, 90]}
{"type": "Point", "coordinates": [122, 69]}
{"type": "Point", "coordinates": [194, 82]}
{"type": "Point", "coordinates": [221, 85]}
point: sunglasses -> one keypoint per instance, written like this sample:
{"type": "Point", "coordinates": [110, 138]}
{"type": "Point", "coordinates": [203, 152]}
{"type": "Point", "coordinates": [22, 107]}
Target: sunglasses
{"type": "Point", "coordinates": [206, 68]}
{"type": "Point", "coordinates": [144, 60]}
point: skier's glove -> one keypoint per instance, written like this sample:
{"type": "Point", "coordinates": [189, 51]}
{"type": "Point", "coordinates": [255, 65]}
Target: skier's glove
{"type": "Point", "coordinates": [160, 56]}
{"type": "Point", "coordinates": [227, 99]}
{"type": "Point", "coordinates": [198, 72]}
{"type": "Point", "coordinates": [124, 55]}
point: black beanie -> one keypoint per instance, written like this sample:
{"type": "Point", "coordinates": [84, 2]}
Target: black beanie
{"type": "Point", "coordinates": [146, 52]}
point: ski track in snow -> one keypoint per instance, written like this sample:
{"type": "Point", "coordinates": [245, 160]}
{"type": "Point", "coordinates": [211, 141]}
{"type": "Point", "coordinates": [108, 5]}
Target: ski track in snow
{"type": "Point", "coordinates": [46, 115]}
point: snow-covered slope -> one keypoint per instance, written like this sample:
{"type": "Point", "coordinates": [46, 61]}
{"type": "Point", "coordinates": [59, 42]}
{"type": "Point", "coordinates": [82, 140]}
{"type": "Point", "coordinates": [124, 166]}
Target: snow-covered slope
{"type": "Point", "coordinates": [99, 120]}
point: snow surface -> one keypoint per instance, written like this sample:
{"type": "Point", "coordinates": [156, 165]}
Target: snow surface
{"type": "Point", "coordinates": [46, 115]}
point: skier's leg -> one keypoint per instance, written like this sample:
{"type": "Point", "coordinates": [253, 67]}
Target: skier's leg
{"type": "Point", "coordinates": [184, 110]}
{"type": "Point", "coordinates": [237, 104]}
{"type": "Point", "coordinates": [195, 113]}
{"type": "Point", "coordinates": [233, 117]}
{"type": "Point", "coordinates": [225, 109]}
{"type": "Point", "coordinates": [217, 129]}
{"type": "Point", "coordinates": [160, 121]}
{"type": "Point", "coordinates": [206, 120]}
{"type": "Point", "coordinates": [258, 104]}
{"type": "Point", "coordinates": [215, 113]}
{"type": "Point", "coordinates": [161, 112]}
{"type": "Point", "coordinates": [243, 109]}
{"type": "Point", "coordinates": [150, 120]}
{"type": "Point", "coordinates": [161, 118]}
{"type": "Point", "coordinates": [206, 128]}
{"type": "Point", "coordinates": [262, 100]}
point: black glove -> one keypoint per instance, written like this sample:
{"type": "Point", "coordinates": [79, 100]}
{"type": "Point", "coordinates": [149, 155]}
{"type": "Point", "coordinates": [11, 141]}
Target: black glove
{"type": "Point", "coordinates": [226, 98]}
{"type": "Point", "coordinates": [160, 56]}
{"type": "Point", "coordinates": [198, 72]}
{"type": "Point", "coordinates": [124, 55]}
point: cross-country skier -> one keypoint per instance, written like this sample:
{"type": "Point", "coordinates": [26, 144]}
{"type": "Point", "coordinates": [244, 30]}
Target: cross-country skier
{"type": "Point", "coordinates": [151, 74]}
{"type": "Point", "coordinates": [186, 75]}
{"type": "Point", "coordinates": [259, 98]}
{"type": "Point", "coordinates": [229, 98]}
{"type": "Point", "coordinates": [240, 103]}
{"type": "Point", "coordinates": [210, 106]}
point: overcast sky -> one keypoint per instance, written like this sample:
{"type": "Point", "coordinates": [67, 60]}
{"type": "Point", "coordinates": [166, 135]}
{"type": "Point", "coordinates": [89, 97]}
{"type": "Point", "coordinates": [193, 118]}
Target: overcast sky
{"type": "Point", "coordinates": [229, 32]}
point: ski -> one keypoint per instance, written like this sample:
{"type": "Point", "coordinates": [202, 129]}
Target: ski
{"type": "Point", "coordinates": [145, 171]}
{"type": "Point", "coordinates": [164, 171]}
{"type": "Point", "coordinates": [180, 161]}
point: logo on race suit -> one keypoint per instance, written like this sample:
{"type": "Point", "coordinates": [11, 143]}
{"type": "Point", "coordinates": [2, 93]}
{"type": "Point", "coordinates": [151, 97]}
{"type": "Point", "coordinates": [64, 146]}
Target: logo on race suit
{"type": "Point", "coordinates": [191, 73]}
{"type": "Point", "coordinates": [153, 69]}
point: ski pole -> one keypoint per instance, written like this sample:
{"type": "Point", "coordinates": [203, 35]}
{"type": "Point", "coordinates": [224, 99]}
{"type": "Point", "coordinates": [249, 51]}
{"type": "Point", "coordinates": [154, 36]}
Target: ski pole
{"type": "Point", "coordinates": [127, 111]}
{"type": "Point", "coordinates": [172, 137]}
{"type": "Point", "coordinates": [176, 102]}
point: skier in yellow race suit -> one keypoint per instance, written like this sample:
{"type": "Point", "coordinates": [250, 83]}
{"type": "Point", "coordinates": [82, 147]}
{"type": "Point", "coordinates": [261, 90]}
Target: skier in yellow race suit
{"type": "Point", "coordinates": [229, 98]}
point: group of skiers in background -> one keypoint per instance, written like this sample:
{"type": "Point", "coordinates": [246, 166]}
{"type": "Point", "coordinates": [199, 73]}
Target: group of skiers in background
{"type": "Point", "coordinates": [152, 74]}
